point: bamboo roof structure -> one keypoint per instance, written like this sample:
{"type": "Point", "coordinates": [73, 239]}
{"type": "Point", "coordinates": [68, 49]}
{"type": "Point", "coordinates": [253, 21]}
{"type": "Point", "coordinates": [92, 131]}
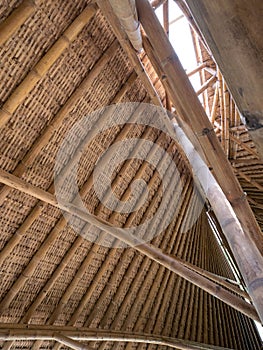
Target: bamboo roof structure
{"type": "Point", "coordinates": [158, 246]}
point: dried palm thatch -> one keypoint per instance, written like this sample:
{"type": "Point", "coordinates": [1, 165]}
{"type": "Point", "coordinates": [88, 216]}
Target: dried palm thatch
{"type": "Point", "coordinates": [81, 288]}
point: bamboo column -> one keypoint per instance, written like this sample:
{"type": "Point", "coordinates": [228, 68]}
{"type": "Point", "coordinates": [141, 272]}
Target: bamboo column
{"type": "Point", "coordinates": [41, 68]}
{"type": "Point", "coordinates": [152, 252]}
{"type": "Point", "coordinates": [12, 23]}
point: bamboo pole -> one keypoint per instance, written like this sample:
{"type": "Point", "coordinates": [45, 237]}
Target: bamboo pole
{"type": "Point", "coordinates": [197, 69]}
{"type": "Point", "coordinates": [27, 273]}
{"type": "Point", "coordinates": [214, 105]}
{"type": "Point", "coordinates": [126, 12]}
{"type": "Point", "coordinates": [206, 85]}
{"type": "Point", "coordinates": [193, 116]}
{"type": "Point", "coordinates": [243, 247]}
{"type": "Point", "coordinates": [68, 334]}
{"type": "Point", "coordinates": [153, 253]}
{"type": "Point", "coordinates": [12, 23]}
{"type": "Point", "coordinates": [243, 145]}
{"type": "Point", "coordinates": [58, 119]}
{"type": "Point", "coordinates": [45, 63]}
{"type": "Point", "coordinates": [44, 139]}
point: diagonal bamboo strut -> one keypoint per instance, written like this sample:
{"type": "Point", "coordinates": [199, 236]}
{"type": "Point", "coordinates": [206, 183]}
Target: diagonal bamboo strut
{"type": "Point", "coordinates": [243, 145]}
{"type": "Point", "coordinates": [153, 253]}
{"type": "Point", "coordinates": [78, 276]}
{"type": "Point", "coordinates": [63, 333]}
{"type": "Point", "coordinates": [41, 68]}
{"type": "Point", "coordinates": [59, 226]}
{"type": "Point", "coordinates": [13, 22]}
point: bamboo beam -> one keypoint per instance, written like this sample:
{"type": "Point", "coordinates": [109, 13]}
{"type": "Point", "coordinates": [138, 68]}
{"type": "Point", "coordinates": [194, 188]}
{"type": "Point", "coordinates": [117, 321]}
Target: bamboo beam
{"type": "Point", "coordinates": [194, 118]}
{"type": "Point", "coordinates": [50, 238]}
{"type": "Point", "coordinates": [45, 63]}
{"type": "Point", "coordinates": [197, 69]}
{"type": "Point", "coordinates": [55, 124]}
{"type": "Point", "coordinates": [153, 253]}
{"type": "Point", "coordinates": [206, 85]}
{"type": "Point", "coordinates": [125, 10]}
{"type": "Point", "coordinates": [17, 18]}
{"type": "Point", "coordinates": [125, 43]}
{"type": "Point", "coordinates": [248, 258]}
{"type": "Point", "coordinates": [233, 31]}
{"type": "Point", "coordinates": [68, 334]}
{"type": "Point", "coordinates": [44, 139]}
{"type": "Point", "coordinates": [157, 3]}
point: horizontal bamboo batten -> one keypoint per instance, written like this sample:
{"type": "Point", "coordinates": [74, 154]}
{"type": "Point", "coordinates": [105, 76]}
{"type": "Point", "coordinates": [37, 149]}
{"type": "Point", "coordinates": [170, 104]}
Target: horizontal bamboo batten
{"type": "Point", "coordinates": [42, 67]}
{"type": "Point", "coordinates": [171, 263]}
{"type": "Point", "coordinates": [12, 23]}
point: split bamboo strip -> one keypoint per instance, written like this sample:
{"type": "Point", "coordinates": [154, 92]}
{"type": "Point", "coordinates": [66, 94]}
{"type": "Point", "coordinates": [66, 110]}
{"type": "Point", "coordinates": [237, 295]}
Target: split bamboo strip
{"type": "Point", "coordinates": [153, 253]}
{"type": "Point", "coordinates": [45, 63]}
{"type": "Point", "coordinates": [248, 179]}
{"type": "Point", "coordinates": [64, 333]}
{"type": "Point", "coordinates": [12, 23]}
{"type": "Point", "coordinates": [243, 247]}
{"type": "Point", "coordinates": [57, 121]}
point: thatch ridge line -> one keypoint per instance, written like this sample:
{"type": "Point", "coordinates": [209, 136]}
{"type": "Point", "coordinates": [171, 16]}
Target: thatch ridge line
{"type": "Point", "coordinates": [45, 63]}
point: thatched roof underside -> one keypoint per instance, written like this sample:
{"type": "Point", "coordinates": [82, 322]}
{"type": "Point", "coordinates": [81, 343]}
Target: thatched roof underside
{"type": "Point", "coordinates": [50, 275]}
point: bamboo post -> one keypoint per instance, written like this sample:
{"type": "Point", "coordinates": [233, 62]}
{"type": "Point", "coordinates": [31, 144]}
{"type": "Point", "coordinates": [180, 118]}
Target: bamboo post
{"type": "Point", "coordinates": [153, 253]}
{"type": "Point", "coordinates": [41, 68]}
{"type": "Point", "coordinates": [12, 23]}
{"type": "Point", "coordinates": [214, 105]}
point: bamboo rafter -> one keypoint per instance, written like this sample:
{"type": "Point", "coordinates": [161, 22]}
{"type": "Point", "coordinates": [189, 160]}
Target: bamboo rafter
{"type": "Point", "coordinates": [45, 63]}
{"type": "Point", "coordinates": [13, 22]}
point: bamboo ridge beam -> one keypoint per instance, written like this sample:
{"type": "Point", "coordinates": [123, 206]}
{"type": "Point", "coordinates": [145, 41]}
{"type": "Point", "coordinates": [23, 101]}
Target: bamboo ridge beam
{"type": "Point", "coordinates": [34, 332]}
{"type": "Point", "coordinates": [152, 252]}
{"type": "Point", "coordinates": [12, 23]}
{"type": "Point", "coordinates": [41, 68]}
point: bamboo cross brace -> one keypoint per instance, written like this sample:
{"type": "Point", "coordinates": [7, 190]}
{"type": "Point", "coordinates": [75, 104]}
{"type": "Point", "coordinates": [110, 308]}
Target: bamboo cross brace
{"type": "Point", "coordinates": [45, 63]}
{"type": "Point", "coordinates": [153, 253]}
{"type": "Point", "coordinates": [17, 18]}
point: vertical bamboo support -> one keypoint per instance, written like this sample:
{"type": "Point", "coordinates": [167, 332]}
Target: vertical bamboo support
{"type": "Point", "coordinates": [41, 68]}
{"type": "Point", "coordinates": [12, 23]}
{"type": "Point", "coordinates": [214, 105]}
{"type": "Point", "coordinates": [227, 117]}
